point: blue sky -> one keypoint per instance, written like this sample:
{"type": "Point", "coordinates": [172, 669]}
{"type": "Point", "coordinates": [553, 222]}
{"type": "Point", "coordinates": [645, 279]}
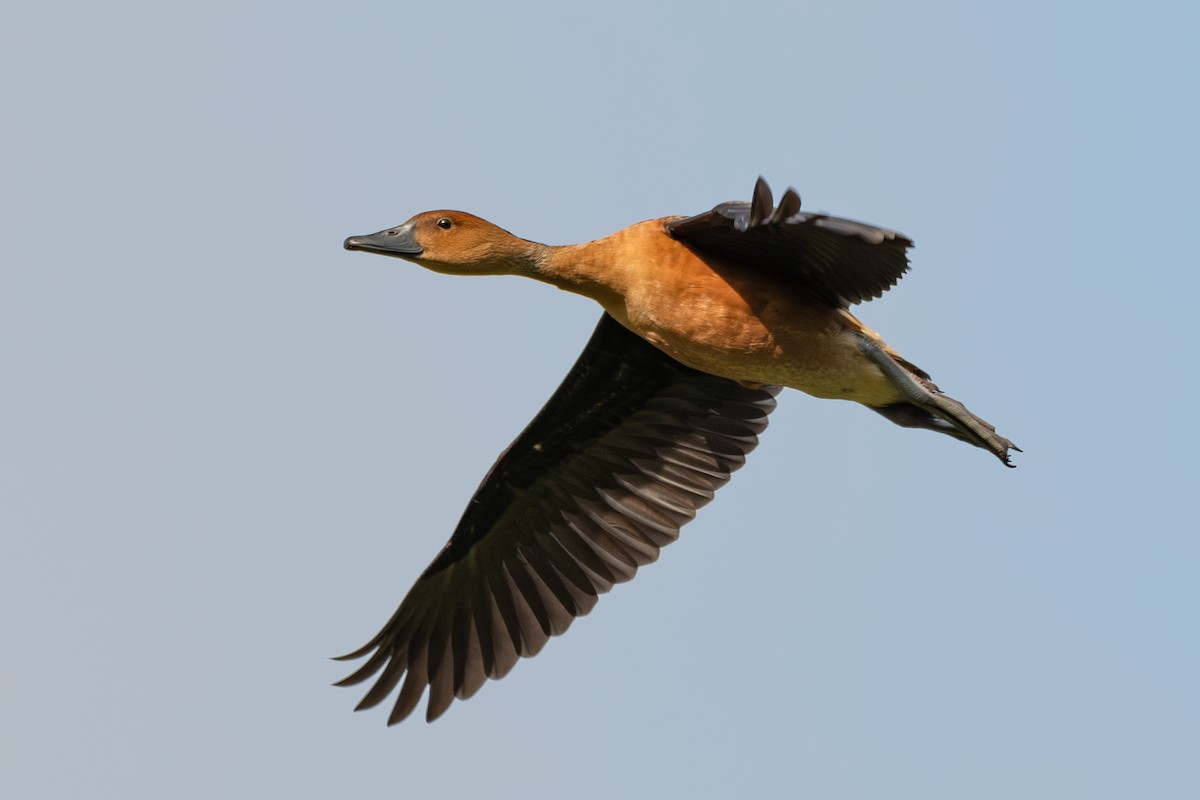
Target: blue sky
{"type": "Point", "coordinates": [229, 446]}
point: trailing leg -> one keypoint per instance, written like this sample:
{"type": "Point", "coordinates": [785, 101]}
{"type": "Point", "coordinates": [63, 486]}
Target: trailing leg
{"type": "Point", "coordinates": [927, 407]}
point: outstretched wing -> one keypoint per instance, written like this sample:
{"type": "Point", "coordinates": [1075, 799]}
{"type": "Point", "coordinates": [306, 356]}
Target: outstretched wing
{"type": "Point", "coordinates": [839, 260]}
{"type": "Point", "coordinates": [623, 455]}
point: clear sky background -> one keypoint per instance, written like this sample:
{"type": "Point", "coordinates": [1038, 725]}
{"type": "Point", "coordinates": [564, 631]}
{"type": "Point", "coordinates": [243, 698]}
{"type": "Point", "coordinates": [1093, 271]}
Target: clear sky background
{"type": "Point", "coordinates": [228, 447]}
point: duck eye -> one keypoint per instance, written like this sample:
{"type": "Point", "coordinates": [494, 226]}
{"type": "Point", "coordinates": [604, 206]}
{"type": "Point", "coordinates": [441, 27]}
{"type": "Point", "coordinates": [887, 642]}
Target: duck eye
{"type": "Point", "coordinates": [445, 224]}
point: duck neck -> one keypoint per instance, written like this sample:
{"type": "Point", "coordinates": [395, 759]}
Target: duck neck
{"type": "Point", "coordinates": [592, 269]}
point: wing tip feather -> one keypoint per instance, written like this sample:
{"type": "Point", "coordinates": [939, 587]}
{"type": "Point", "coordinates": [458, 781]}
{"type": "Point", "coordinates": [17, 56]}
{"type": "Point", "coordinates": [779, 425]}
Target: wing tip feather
{"type": "Point", "coordinates": [762, 204]}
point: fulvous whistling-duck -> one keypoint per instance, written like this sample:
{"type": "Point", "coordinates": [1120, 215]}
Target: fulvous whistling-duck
{"type": "Point", "coordinates": [706, 318]}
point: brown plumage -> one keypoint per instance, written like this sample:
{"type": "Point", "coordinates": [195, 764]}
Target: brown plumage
{"type": "Point", "coordinates": [705, 319]}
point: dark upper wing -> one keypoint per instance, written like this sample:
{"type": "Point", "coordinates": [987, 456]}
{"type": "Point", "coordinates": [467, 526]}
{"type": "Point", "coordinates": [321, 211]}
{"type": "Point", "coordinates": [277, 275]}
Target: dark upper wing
{"type": "Point", "coordinates": [623, 454]}
{"type": "Point", "coordinates": [839, 260]}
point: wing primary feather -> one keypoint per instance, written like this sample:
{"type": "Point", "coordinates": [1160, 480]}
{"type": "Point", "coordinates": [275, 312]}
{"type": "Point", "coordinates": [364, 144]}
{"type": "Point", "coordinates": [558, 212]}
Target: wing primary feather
{"type": "Point", "coordinates": [550, 578]}
{"type": "Point", "coordinates": [662, 506]}
{"type": "Point", "coordinates": [789, 206]}
{"type": "Point", "coordinates": [640, 547]}
{"type": "Point", "coordinates": [460, 640]}
{"type": "Point", "coordinates": [760, 207]}
{"type": "Point", "coordinates": [369, 646]}
{"type": "Point", "coordinates": [535, 628]}
{"type": "Point", "coordinates": [527, 590]}
{"type": "Point", "coordinates": [498, 580]}
{"type": "Point", "coordinates": [505, 652]}
{"type": "Point", "coordinates": [558, 612]}
{"type": "Point", "coordinates": [441, 682]}
{"type": "Point", "coordinates": [577, 548]}
{"type": "Point", "coordinates": [474, 673]}
{"type": "Point", "coordinates": [482, 608]}
{"type": "Point", "coordinates": [699, 484]}
{"type": "Point", "coordinates": [576, 577]}
{"type": "Point", "coordinates": [369, 668]}
{"type": "Point", "coordinates": [622, 565]}
{"type": "Point", "coordinates": [387, 681]}
{"type": "Point", "coordinates": [411, 691]}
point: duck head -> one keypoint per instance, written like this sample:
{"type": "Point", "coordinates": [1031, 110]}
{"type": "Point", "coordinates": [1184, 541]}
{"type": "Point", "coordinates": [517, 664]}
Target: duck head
{"type": "Point", "coordinates": [452, 242]}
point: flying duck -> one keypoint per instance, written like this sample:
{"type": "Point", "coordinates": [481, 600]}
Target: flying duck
{"type": "Point", "coordinates": [706, 319]}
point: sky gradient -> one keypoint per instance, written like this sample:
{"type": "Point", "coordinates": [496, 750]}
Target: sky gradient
{"type": "Point", "coordinates": [229, 446]}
